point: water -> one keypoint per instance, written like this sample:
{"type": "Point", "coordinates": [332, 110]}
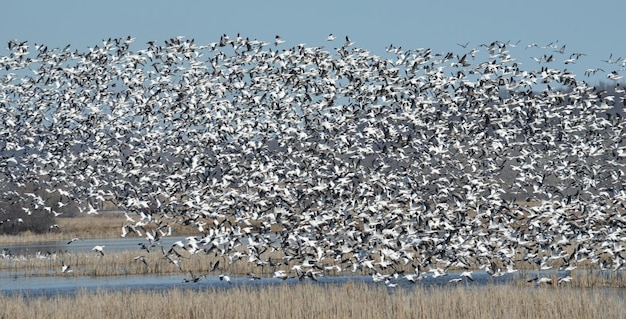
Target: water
{"type": "Point", "coordinates": [48, 286]}
{"type": "Point", "coordinates": [10, 283]}
{"type": "Point", "coordinates": [70, 285]}
{"type": "Point", "coordinates": [52, 285]}
{"type": "Point", "coordinates": [15, 283]}
{"type": "Point", "coordinates": [81, 246]}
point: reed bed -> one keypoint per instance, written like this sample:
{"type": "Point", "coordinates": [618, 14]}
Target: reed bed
{"type": "Point", "coordinates": [86, 227]}
{"type": "Point", "coordinates": [308, 300]}
{"type": "Point", "coordinates": [105, 225]}
{"type": "Point", "coordinates": [115, 264]}
{"type": "Point", "coordinates": [125, 264]}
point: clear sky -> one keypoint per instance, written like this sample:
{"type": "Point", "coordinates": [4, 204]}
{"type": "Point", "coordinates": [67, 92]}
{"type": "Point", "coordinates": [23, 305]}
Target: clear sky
{"type": "Point", "coordinates": [596, 27]}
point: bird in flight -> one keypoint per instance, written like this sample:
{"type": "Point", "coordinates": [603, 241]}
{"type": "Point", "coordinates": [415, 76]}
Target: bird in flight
{"type": "Point", "coordinates": [99, 249]}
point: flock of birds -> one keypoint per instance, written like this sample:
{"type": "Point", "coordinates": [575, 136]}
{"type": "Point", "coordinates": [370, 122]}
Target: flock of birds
{"type": "Point", "coordinates": [333, 159]}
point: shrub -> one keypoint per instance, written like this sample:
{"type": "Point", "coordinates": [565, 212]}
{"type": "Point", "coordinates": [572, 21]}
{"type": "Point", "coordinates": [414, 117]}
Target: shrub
{"type": "Point", "coordinates": [15, 220]}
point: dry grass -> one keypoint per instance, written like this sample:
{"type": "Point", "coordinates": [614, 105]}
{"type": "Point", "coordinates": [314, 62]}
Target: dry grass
{"type": "Point", "coordinates": [111, 264]}
{"type": "Point", "coordinates": [306, 300]}
{"type": "Point", "coordinates": [86, 227]}
{"type": "Point", "coordinates": [125, 264]}
{"type": "Point", "coordinates": [105, 225]}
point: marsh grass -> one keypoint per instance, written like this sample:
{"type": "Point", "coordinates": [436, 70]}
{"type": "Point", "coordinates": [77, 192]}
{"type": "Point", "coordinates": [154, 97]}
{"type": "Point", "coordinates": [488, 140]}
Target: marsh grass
{"type": "Point", "coordinates": [308, 300]}
{"type": "Point", "coordinates": [105, 225]}
{"type": "Point", "coordinates": [111, 264]}
{"type": "Point", "coordinates": [125, 264]}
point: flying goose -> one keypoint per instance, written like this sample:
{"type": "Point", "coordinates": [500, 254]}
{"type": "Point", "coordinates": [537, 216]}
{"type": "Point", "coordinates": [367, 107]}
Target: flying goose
{"type": "Point", "coordinates": [99, 249]}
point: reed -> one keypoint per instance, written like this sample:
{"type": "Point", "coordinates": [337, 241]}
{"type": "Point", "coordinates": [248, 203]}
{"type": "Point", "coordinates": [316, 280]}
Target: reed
{"type": "Point", "coordinates": [111, 264]}
{"type": "Point", "coordinates": [106, 225]}
{"type": "Point", "coordinates": [308, 300]}
{"type": "Point", "coordinates": [125, 264]}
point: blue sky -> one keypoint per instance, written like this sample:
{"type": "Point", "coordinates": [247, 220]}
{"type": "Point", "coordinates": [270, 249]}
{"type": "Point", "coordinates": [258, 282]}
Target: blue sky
{"type": "Point", "coordinates": [592, 27]}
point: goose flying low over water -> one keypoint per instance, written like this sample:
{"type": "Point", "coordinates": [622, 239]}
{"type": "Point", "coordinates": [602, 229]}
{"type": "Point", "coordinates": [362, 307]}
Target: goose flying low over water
{"type": "Point", "coordinates": [541, 280]}
{"type": "Point", "coordinates": [66, 268]}
{"type": "Point", "coordinates": [193, 278]}
{"type": "Point", "coordinates": [225, 277]}
{"type": "Point", "coordinates": [99, 249]}
{"type": "Point", "coordinates": [142, 259]}
{"type": "Point", "coordinates": [468, 275]}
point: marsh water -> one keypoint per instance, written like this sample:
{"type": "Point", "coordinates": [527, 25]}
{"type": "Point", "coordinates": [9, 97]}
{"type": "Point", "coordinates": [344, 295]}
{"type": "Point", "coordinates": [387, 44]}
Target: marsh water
{"type": "Point", "coordinates": [15, 283]}
{"type": "Point", "coordinates": [52, 285]}
{"type": "Point", "coordinates": [81, 246]}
